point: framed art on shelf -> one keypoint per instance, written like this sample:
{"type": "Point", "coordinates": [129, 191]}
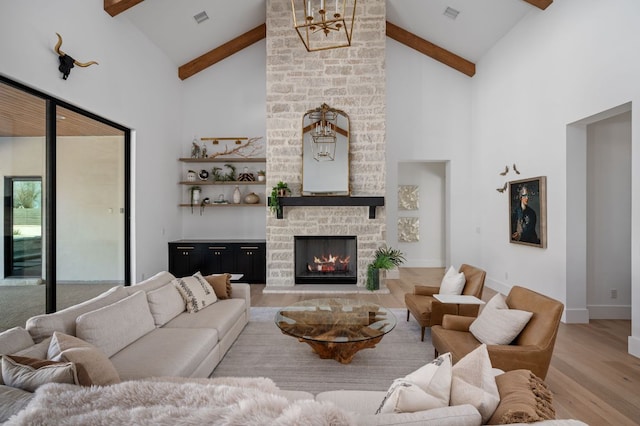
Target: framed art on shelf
{"type": "Point", "coordinates": [528, 211]}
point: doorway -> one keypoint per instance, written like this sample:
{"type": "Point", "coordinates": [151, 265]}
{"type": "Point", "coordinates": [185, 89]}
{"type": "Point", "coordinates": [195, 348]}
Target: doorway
{"type": "Point", "coordinates": [23, 227]}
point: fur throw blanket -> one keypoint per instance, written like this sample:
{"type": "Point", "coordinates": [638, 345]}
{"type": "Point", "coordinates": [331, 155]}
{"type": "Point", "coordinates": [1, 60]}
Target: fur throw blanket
{"type": "Point", "coordinates": [172, 401]}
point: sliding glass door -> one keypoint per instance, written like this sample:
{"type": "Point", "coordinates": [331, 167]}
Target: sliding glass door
{"type": "Point", "coordinates": [66, 208]}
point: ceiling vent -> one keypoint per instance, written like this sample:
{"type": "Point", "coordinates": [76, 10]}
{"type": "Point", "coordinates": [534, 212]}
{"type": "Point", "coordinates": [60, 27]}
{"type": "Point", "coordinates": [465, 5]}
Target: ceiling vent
{"type": "Point", "coordinates": [450, 12]}
{"type": "Point", "coordinates": [201, 17]}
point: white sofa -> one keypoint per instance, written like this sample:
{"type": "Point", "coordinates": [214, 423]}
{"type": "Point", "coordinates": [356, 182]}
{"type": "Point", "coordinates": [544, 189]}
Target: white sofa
{"type": "Point", "coordinates": [144, 330]}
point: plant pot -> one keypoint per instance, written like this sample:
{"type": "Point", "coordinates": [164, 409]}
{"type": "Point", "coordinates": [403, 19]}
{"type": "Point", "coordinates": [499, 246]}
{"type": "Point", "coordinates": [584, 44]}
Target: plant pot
{"type": "Point", "coordinates": [373, 278]}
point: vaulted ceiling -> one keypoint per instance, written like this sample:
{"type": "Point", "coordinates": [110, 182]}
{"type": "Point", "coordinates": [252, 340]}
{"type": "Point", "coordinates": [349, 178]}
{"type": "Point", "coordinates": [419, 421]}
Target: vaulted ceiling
{"type": "Point", "coordinates": [232, 26]}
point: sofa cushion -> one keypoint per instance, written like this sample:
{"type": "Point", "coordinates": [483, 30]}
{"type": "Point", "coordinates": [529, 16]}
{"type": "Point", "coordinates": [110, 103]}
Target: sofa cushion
{"type": "Point", "coordinates": [113, 327]}
{"type": "Point", "coordinates": [98, 367]}
{"type": "Point", "coordinates": [473, 383]}
{"type": "Point", "coordinates": [196, 292]}
{"type": "Point", "coordinates": [524, 398]}
{"type": "Point", "coordinates": [29, 373]}
{"type": "Point", "coordinates": [221, 316]}
{"type": "Point", "coordinates": [12, 401]}
{"type": "Point", "coordinates": [14, 339]}
{"type": "Point", "coordinates": [165, 303]}
{"type": "Point", "coordinates": [42, 326]}
{"type": "Point", "coordinates": [221, 284]}
{"type": "Point", "coordinates": [426, 388]}
{"type": "Point", "coordinates": [452, 282]}
{"type": "Point", "coordinates": [39, 350]}
{"type": "Point", "coordinates": [165, 352]}
{"type": "Point", "coordinates": [497, 324]}
{"type": "Point", "coordinates": [158, 280]}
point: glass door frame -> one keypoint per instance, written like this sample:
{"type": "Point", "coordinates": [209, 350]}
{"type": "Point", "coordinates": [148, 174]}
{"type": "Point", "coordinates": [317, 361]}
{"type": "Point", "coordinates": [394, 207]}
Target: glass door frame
{"type": "Point", "coordinates": [49, 177]}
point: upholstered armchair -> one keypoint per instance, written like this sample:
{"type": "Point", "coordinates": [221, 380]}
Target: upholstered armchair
{"type": "Point", "coordinates": [429, 312]}
{"type": "Point", "coordinates": [532, 348]}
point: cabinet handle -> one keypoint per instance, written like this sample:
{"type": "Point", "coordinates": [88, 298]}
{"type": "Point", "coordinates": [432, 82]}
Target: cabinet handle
{"type": "Point", "coordinates": [249, 248]}
{"type": "Point", "coordinates": [217, 248]}
{"type": "Point", "coordinates": [185, 248]}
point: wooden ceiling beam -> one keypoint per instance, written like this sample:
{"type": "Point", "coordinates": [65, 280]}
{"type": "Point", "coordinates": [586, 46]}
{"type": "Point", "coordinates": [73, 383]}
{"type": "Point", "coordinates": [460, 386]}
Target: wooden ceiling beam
{"type": "Point", "coordinates": [219, 53]}
{"type": "Point", "coordinates": [542, 4]}
{"type": "Point", "coordinates": [433, 51]}
{"type": "Point", "coordinates": [116, 7]}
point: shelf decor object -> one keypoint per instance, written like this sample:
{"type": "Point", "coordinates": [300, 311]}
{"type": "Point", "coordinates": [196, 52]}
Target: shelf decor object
{"type": "Point", "coordinates": [323, 24]}
{"type": "Point", "coordinates": [408, 197]}
{"type": "Point", "coordinates": [408, 229]}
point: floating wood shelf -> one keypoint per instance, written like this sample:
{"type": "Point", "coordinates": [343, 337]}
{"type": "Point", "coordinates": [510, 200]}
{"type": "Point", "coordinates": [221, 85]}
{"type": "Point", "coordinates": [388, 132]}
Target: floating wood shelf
{"type": "Point", "coordinates": [337, 201]}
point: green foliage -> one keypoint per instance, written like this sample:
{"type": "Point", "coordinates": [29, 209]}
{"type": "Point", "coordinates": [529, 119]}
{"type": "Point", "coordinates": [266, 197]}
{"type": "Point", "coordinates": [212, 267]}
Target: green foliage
{"type": "Point", "coordinates": [384, 258]}
{"type": "Point", "coordinates": [274, 205]}
{"type": "Point", "coordinates": [26, 195]}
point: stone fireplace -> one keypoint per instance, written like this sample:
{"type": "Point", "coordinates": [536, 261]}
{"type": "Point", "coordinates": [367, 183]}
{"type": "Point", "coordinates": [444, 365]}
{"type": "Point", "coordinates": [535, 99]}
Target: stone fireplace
{"type": "Point", "coordinates": [351, 79]}
{"type": "Point", "coordinates": [326, 259]}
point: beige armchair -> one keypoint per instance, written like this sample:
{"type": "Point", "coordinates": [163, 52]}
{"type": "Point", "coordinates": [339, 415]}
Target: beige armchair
{"type": "Point", "coordinates": [531, 349]}
{"type": "Point", "coordinates": [429, 312]}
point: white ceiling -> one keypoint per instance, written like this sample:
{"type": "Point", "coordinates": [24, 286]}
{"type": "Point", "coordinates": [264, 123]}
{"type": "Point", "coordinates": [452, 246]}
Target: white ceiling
{"type": "Point", "coordinates": [170, 25]}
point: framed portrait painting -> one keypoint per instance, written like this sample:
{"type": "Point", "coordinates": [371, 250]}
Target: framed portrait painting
{"type": "Point", "coordinates": [528, 211]}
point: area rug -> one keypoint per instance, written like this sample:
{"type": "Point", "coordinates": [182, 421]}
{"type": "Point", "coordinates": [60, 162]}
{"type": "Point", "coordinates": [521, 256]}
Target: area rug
{"type": "Point", "coordinates": [262, 350]}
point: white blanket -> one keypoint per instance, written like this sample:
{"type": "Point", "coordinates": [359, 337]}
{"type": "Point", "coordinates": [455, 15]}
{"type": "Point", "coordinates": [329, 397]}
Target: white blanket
{"type": "Point", "coordinates": [225, 401]}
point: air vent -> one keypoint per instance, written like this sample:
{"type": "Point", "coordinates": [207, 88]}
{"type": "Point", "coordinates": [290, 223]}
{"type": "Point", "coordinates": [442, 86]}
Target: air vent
{"type": "Point", "coordinates": [450, 12]}
{"type": "Point", "coordinates": [201, 17]}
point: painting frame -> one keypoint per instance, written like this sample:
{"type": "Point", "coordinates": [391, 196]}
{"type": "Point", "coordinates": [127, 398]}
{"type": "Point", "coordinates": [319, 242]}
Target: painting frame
{"type": "Point", "coordinates": [527, 203]}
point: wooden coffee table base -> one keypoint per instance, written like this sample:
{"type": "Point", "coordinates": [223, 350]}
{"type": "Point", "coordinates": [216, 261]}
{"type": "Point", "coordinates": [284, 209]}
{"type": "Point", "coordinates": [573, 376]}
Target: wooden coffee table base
{"type": "Point", "coordinates": [342, 352]}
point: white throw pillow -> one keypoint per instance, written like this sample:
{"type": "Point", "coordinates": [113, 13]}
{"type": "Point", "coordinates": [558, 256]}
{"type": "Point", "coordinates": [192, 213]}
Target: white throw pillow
{"type": "Point", "coordinates": [196, 292]}
{"type": "Point", "coordinates": [426, 388]}
{"type": "Point", "coordinates": [452, 282]}
{"type": "Point", "coordinates": [473, 383]}
{"type": "Point", "coordinates": [497, 324]}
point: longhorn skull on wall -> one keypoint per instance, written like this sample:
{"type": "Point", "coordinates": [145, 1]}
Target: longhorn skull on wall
{"type": "Point", "coordinates": [66, 61]}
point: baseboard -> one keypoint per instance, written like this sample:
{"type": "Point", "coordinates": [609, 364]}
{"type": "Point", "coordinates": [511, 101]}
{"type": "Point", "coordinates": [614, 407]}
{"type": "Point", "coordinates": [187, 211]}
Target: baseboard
{"type": "Point", "coordinates": [634, 346]}
{"type": "Point", "coordinates": [609, 312]}
{"type": "Point", "coordinates": [575, 316]}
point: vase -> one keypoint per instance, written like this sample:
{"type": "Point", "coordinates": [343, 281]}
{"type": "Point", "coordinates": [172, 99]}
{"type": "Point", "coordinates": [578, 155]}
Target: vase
{"type": "Point", "coordinates": [236, 195]}
{"type": "Point", "coordinates": [261, 178]}
{"type": "Point", "coordinates": [373, 278]}
{"type": "Point", "coordinates": [252, 198]}
{"type": "Point", "coordinates": [195, 196]}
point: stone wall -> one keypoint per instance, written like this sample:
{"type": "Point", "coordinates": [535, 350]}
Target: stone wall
{"type": "Point", "coordinates": [351, 79]}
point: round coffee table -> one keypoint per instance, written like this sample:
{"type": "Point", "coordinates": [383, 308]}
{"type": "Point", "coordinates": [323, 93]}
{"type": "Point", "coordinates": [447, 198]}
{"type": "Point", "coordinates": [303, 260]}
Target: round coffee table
{"type": "Point", "coordinates": [336, 328]}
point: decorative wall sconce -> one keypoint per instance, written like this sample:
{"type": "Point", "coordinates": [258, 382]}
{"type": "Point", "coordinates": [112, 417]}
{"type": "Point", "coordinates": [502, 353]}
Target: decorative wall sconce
{"type": "Point", "coordinates": [324, 24]}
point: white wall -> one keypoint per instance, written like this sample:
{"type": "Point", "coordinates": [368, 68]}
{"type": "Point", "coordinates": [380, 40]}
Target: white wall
{"type": "Point", "coordinates": [226, 100]}
{"type": "Point", "coordinates": [609, 217]}
{"type": "Point", "coordinates": [571, 61]}
{"type": "Point", "coordinates": [134, 85]}
{"type": "Point", "coordinates": [429, 120]}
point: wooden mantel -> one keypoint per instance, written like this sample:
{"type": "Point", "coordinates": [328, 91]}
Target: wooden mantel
{"type": "Point", "coordinates": [334, 201]}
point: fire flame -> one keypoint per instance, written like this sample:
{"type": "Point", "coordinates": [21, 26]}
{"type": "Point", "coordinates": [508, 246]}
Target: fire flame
{"type": "Point", "coordinates": [329, 263]}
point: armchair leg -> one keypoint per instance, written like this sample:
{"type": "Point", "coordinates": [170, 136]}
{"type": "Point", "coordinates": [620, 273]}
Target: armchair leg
{"type": "Point", "coordinates": [422, 334]}
{"type": "Point", "coordinates": [435, 353]}
{"type": "Point", "coordinates": [407, 315]}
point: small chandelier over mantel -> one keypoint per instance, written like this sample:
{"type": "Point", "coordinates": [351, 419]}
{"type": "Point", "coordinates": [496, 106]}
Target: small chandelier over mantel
{"type": "Point", "coordinates": [324, 24]}
{"type": "Point", "coordinates": [323, 135]}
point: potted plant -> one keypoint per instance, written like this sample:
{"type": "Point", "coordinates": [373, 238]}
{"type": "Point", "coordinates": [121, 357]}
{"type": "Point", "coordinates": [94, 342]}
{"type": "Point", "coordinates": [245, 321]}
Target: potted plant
{"type": "Point", "coordinates": [261, 175]}
{"type": "Point", "coordinates": [385, 258]}
{"type": "Point", "coordinates": [280, 190]}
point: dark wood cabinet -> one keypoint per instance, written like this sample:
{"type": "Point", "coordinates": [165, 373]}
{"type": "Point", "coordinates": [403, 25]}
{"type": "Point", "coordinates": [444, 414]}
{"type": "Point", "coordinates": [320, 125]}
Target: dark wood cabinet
{"type": "Point", "coordinates": [247, 257]}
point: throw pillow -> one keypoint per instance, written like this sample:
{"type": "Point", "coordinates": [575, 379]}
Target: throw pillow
{"type": "Point", "coordinates": [196, 292]}
{"type": "Point", "coordinates": [472, 382]}
{"type": "Point", "coordinates": [524, 398]}
{"type": "Point", "coordinates": [165, 303]}
{"type": "Point", "coordinates": [100, 370]}
{"type": "Point", "coordinates": [497, 324]}
{"type": "Point", "coordinates": [426, 388]}
{"type": "Point", "coordinates": [30, 373]}
{"type": "Point", "coordinates": [221, 284]}
{"type": "Point", "coordinates": [453, 282]}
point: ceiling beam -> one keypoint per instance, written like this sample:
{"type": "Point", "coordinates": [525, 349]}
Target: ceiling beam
{"type": "Point", "coordinates": [542, 4]}
{"type": "Point", "coordinates": [433, 51]}
{"type": "Point", "coordinates": [116, 7]}
{"type": "Point", "coordinates": [219, 53]}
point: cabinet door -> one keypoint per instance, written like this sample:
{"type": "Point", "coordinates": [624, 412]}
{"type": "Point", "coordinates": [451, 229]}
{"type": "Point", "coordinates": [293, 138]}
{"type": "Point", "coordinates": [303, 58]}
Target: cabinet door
{"type": "Point", "coordinates": [218, 259]}
{"type": "Point", "coordinates": [251, 261]}
{"type": "Point", "coordinates": [184, 259]}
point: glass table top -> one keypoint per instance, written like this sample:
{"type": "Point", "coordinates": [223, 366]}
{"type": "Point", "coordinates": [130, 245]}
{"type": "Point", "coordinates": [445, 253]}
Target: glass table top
{"type": "Point", "coordinates": [335, 320]}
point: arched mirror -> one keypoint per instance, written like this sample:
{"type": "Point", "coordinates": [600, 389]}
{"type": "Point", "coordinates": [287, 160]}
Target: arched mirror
{"type": "Point", "coordinates": [325, 139]}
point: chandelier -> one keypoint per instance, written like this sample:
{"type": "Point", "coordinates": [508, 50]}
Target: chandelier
{"type": "Point", "coordinates": [324, 24]}
{"type": "Point", "coordinates": [323, 133]}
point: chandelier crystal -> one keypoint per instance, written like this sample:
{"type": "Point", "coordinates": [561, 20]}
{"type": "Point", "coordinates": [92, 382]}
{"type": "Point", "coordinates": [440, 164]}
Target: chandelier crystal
{"type": "Point", "coordinates": [324, 24]}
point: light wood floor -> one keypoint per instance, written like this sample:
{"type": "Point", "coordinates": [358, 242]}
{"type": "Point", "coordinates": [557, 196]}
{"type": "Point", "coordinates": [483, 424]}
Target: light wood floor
{"type": "Point", "coordinates": [592, 376]}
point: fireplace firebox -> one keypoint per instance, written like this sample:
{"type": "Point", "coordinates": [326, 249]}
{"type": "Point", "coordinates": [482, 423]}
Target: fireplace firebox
{"type": "Point", "coordinates": [326, 259]}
